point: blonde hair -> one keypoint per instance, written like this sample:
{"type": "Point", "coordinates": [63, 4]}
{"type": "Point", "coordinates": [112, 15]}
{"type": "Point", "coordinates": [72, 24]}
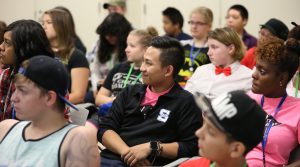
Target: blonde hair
{"type": "Point", "coordinates": [228, 37]}
{"type": "Point", "coordinates": [145, 35]}
{"type": "Point", "coordinates": [205, 12]}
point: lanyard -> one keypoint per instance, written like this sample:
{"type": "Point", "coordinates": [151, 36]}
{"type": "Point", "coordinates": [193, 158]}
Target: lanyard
{"type": "Point", "coordinates": [297, 84]}
{"type": "Point", "coordinates": [128, 75]}
{"type": "Point", "coordinates": [193, 56]}
{"type": "Point", "coordinates": [269, 125]}
{"type": "Point", "coordinates": [214, 164]}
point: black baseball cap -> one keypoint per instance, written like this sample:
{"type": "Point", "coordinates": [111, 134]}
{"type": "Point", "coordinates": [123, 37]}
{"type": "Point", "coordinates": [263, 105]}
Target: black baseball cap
{"type": "Point", "coordinates": [277, 27]}
{"type": "Point", "coordinates": [237, 114]}
{"type": "Point", "coordinates": [50, 74]}
{"type": "Point", "coordinates": [121, 3]}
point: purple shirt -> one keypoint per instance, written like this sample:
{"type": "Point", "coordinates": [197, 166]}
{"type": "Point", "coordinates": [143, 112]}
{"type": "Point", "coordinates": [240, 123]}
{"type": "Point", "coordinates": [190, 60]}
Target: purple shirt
{"type": "Point", "coordinates": [249, 40]}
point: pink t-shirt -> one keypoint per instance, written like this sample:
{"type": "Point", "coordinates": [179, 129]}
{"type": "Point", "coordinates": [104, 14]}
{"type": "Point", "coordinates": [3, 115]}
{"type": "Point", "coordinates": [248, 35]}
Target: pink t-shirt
{"type": "Point", "coordinates": [284, 135]}
{"type": "Point", "coordinates": [152, 97]}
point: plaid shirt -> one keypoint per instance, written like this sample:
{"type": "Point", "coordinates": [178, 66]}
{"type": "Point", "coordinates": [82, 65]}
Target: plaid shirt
{"type": "Point", "coordinates": [6, 90]}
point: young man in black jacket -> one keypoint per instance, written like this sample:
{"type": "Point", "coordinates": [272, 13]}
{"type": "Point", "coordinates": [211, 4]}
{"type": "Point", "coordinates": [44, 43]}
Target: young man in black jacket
{"type": "Point", "coordinates": [154, 123]}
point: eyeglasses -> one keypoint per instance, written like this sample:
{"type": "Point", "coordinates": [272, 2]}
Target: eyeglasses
{"type": "Point", "coordinates": [196, 23]}
{"type": "Point", "coordinates": [45, 22]}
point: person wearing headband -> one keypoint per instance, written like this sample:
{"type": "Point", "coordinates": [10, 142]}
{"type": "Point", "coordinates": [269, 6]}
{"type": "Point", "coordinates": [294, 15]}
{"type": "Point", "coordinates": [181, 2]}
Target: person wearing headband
{"type": "Point", "coordinates": [43, 137]}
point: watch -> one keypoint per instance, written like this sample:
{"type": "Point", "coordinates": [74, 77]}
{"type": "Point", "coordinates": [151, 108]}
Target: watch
{"type": "Point", "coordinates": [155, 148]}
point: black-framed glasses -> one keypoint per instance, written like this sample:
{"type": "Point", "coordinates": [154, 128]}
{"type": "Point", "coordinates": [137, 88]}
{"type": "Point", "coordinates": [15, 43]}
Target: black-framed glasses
{"type": "Point", "coordinates": [196, 23]}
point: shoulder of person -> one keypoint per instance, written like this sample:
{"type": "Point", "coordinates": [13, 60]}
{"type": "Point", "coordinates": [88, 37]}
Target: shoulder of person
{"type": "Point", "coordinates": [178, 92]}
{"type": "Point", "coordinates": [133, 90]}
{"type": "Point", "coordinates": [78, 57]}
{"type": "Point", "coordinates": [245, 70]}
{"type": "Point", "coordinates": [122, 65]}
{"type": "Point", "coordinates": [77, 52]}
{"type": "Point", "coordinates": [5, 126]}
{"type": "Point", "coordinates": [204, 68]}
{"type": "Point", "coordinates": [79, 148]}
{"type": "Point", "coordinates": [76, 132]}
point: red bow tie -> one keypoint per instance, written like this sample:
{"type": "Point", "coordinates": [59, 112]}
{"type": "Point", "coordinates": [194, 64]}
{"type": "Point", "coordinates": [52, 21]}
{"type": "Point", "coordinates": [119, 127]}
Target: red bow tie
{"type": "Point", "coordinates": [226, 71]}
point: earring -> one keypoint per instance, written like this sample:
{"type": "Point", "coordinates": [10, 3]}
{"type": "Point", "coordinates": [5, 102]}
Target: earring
{"type": "Point", "coordinates": [280, 84]}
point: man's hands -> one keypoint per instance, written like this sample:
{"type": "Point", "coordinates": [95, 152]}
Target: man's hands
{"type": "Point", "coordinates": [137, 155]}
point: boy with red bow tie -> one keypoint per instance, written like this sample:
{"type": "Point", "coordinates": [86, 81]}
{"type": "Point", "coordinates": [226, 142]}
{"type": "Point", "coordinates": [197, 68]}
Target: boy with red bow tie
{"type": "Point", "coordinates": [224, 73]}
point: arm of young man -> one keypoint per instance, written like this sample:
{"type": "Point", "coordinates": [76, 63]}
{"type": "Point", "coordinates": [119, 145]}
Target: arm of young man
{"type": "Point", "coordinates": [79, 150]}
{"type": "Point", "coordinates": [139, 153]}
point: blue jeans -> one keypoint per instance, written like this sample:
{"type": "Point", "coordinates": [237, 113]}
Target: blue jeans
{"type": "Point", "coordinates": [105, 162]}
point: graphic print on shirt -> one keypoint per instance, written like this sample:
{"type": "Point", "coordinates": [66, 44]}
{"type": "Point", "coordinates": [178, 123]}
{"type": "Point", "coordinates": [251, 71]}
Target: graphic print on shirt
{"type": "Point", "coordinates": [190, 66]}
{"type": "Point", "coordinates": [118, 82]}
{"type": "Point", "coordinates": [163, 115]}
{"type": "Point", "coordinates": [274, 122]}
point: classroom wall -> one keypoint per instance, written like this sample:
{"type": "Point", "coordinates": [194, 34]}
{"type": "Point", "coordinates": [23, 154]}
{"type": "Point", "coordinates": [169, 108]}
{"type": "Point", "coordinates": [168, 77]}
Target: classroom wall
{"type": "Point", "coordinates": [142, 13]}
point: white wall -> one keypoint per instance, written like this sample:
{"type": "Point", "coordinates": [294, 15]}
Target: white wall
{"type": "Point", "coordinates": [260, 11]}
{"type": "Point", "coordinates": [142, 13]}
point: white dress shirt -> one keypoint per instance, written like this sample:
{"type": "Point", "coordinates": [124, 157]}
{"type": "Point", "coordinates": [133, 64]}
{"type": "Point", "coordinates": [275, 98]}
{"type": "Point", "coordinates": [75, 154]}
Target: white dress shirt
{"type": "Point", "coordinates": [205, 81]}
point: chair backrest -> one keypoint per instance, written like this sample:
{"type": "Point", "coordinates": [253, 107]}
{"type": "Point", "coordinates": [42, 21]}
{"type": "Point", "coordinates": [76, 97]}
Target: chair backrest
{"type": "Point", "coordinates": [177, 162]}
{"type": "Point", "coordinates": [295, 155]}
{"type": "Point", "coordinates": [79, 117]}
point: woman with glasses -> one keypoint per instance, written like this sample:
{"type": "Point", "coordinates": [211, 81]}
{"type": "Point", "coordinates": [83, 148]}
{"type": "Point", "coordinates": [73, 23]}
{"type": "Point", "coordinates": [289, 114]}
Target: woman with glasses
{"type": "Point", "coordinates": [23, 39]}
{"type": "Point", "coordinates": [58, 27]}
{"type": "Point", "coordinates": [196, 49]}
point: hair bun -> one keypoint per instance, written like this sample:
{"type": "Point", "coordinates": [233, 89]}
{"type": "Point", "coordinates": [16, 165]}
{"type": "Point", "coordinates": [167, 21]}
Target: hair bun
{"type": "Point", "coordinates": [293, 45]}
{"type": "Point", "coordinates": [295, 24]}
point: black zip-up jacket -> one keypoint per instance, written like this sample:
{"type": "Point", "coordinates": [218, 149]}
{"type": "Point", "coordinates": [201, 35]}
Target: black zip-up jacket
{"type": "Point", "coordinates": [174, 118]}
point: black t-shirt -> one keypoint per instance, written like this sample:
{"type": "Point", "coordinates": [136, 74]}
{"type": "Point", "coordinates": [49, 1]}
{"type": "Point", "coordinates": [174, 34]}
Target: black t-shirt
{"type": "Point", "coordinates": [77, 60]}
{"type": "Point", "coordinates": [190, 66]}
{"type": "Point", "coordinates": [115, 80]}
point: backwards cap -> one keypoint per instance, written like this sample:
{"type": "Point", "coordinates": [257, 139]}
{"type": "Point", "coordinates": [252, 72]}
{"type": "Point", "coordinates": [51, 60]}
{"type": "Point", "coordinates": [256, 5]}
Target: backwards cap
{"type": "Point", "coordinates": [237, 114]}
{"type": "Point", "coordinates": [50, 74]}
